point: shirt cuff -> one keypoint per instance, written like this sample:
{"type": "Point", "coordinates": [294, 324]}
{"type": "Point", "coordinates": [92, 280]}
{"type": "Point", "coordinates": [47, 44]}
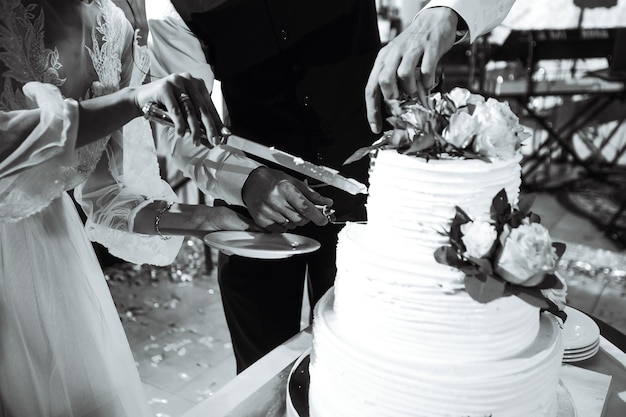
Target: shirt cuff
{"type": "Point", "coordinates": [466, 28]}
{"type": "Point", "coordinates": [232, 176]}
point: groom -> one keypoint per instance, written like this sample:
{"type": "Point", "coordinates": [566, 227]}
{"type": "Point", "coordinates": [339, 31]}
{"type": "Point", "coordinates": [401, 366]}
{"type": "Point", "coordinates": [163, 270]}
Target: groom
{"type": "Point", "coordinates": [293, 76]}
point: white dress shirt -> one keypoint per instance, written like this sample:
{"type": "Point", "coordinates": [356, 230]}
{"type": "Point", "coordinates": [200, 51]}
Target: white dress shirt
{"type": "Point", "coordinates": [481, 16]}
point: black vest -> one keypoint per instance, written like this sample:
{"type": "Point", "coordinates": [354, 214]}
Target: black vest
{"type": "Point", "coordinates": [293, 72]}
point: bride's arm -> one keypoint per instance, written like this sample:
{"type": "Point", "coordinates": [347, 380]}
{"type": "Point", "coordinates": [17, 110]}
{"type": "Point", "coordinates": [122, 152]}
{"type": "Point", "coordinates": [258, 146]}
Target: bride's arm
{"type": "Point", "coordinates": [100, 116]}
{"type": "Point", "coordinates": [171, 219]}
{"type": "Point", "coordinates": [125, 200]}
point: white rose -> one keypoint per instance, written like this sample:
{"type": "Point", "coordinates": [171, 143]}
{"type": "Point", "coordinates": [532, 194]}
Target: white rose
{"type": "Point", "coordinates": [496, 141]}
{"type": "Point", "coordinates": [461, 97]}
{"type": "Point", "coordinates": [418, 116]}
{"type": "Point", "coordinates": [526, 255]}
{"type": "Point", "coordinates": [498, 130]}
{"type": "Point", "coordinates": [461, 129]}
{"type": "Point", "coordinates": [501, 110]}
{"type": "Point", "coordinates": [478, 238]}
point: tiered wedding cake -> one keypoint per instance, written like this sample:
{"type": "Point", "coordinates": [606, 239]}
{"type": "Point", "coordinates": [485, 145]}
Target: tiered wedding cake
{"type": "Point", "coordinates": [404, 334]}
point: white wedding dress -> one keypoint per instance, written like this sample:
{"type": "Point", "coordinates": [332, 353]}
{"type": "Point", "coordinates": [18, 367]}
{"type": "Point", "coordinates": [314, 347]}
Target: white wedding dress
{"type": "Point", "coordinates": [63, 351]}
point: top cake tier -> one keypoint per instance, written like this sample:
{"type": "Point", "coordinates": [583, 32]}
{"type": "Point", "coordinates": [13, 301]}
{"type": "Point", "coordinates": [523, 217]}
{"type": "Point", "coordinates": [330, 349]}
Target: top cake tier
{"type": "Point", "coordinates": [411, 198]}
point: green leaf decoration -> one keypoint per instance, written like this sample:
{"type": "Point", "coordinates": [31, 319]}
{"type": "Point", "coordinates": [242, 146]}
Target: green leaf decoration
{"type": "Point", "coordinates": [446, 255]}
{"type": "Point", "coordinates": [516, 219]}
{"type": "Point", "coordinates": [360, 153]}
{"type": "Point", "coordinates": [550, 281]}
{"type": "Point", "coordinates": [560, 249]}
{"type": "Point", "coordinates": [421, 143]}
{"type": "Point", "coordinates": [560, 313]}
{"type": "Point", "coordinates": [470, 269]}
{"type": "Point", "coordinates": [554, 309]}
{"type": "Point", "coordinates": [473, 155]}
{"type": "Point", "coordinates": [441, 254]}
{"type": "Point", "coordinates": [534, 218]}
{"type": "Point", "coordinates": [460, 219]}
{"type": "Point", "coordinates": [500, 202]}
{"type": "Point", "coordinates": [484, 265]}
{"type": "Point", "coordinates": [484, 288]}
{"type": "Point", "coordinates": [500, 209]}
{"type": "Point", "coordinates": [461, 216]}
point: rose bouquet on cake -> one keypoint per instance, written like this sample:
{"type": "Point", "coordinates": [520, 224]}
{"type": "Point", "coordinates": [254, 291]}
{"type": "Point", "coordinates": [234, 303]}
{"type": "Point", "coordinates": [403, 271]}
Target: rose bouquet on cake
{"type": "Point", "coordinates": [454, 124]}
{"type": "Point", "coordinates": [512, 254]}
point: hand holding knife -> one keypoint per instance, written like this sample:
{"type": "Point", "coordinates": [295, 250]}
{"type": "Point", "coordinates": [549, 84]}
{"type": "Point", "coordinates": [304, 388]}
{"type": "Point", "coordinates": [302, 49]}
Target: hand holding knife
{"type": "Point", "coordinates": [320, 173]}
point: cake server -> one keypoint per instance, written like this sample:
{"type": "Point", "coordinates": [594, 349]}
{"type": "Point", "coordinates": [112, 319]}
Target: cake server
{"type": "Point", "coordinates": [320, 173]}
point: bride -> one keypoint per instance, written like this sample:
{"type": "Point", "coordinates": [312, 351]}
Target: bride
{"type": "Point", "coordinates": [66, 67]}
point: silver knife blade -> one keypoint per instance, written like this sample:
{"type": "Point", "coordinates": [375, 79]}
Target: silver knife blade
{"type": "Point", "coordinates": [320, 173]}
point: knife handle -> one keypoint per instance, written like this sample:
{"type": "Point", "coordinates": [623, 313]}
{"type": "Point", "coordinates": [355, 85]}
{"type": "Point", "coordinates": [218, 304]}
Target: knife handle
{"type": "Point", "coordinates": [154, 113]}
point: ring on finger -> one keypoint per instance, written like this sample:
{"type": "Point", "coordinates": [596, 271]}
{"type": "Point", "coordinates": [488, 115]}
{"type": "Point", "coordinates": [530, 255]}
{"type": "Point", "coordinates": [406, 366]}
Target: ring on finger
{"type": "Point", "coordinates": [184, 97]}
{"type": "Point", "coordinates": [285, 223]}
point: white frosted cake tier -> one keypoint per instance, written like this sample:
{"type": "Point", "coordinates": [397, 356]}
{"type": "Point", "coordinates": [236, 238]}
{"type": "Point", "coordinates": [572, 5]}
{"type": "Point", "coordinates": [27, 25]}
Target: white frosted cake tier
{"type": "Point", "coordinates": [398, 335]}
{"type": "Point", "coordinates": [411, 198]}
{"type": "Point", "coordinates": [404, 301]}
{"type": "Point", "coordinates": [357, 378]}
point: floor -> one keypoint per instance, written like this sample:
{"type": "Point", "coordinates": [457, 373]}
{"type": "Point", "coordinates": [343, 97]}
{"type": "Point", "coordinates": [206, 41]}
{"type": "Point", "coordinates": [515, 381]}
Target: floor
{"type": "Point", "coordinates": [176, 327]}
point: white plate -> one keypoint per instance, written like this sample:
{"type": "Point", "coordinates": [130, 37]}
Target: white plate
{"type": "Point", "coordinates": [583, 349]}
{"type": "Point", "coordinates": [581, 357]}
{"type": "Point", "coordinates": [583, 354]}
{"type": "Point", "coordinates": [579, 330]}
{"type": "Point", "coordinates": [261, 245]}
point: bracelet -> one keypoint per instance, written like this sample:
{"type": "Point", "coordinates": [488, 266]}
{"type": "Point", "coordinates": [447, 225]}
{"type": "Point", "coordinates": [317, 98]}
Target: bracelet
{"type": "Point", "coordinates": [157, 220]}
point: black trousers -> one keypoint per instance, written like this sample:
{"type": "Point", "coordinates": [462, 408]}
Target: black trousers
{"type": "Point", "coordinates": [263, 298]}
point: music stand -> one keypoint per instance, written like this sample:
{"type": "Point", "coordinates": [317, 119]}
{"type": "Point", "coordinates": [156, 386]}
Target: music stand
{"type": "Point", "coordinates": [600, 91]}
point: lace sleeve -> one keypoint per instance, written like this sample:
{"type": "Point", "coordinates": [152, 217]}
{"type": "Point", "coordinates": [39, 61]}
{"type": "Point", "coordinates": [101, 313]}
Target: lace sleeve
{"type": "Point", "coordinates": [42, 141]}
{"type": "Point", "coordinates": [126, 179]}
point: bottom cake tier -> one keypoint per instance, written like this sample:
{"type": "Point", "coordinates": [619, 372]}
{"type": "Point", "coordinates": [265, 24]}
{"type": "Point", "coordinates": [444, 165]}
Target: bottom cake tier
{"type": "Point", "coordinates": [348, 379]}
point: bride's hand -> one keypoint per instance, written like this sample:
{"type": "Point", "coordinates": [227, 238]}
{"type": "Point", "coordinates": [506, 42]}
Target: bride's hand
{"type": "Point", "coordinates": [164, 218]}
{"type": "Point", "coordinates": [212, 219]}
{"type": "Point", "coordinates": [188, 103]}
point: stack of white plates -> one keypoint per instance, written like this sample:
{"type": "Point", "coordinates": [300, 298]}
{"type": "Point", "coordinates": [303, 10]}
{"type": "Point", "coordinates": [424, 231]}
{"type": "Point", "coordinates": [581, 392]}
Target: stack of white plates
{"type": "Point", "coordinates": [581, 336]}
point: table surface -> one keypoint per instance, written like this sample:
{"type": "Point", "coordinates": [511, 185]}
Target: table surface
{"type": "Point", "coordinates": [260, 389]}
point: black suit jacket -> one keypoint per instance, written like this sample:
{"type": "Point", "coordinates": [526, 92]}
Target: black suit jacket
{"type": "Point", "coordinates": [293, 72]}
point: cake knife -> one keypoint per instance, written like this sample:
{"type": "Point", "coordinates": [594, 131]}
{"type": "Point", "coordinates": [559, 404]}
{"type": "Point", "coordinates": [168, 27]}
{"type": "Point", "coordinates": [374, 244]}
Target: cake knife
{"type": "Point", "coordinates": [320, 173]}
